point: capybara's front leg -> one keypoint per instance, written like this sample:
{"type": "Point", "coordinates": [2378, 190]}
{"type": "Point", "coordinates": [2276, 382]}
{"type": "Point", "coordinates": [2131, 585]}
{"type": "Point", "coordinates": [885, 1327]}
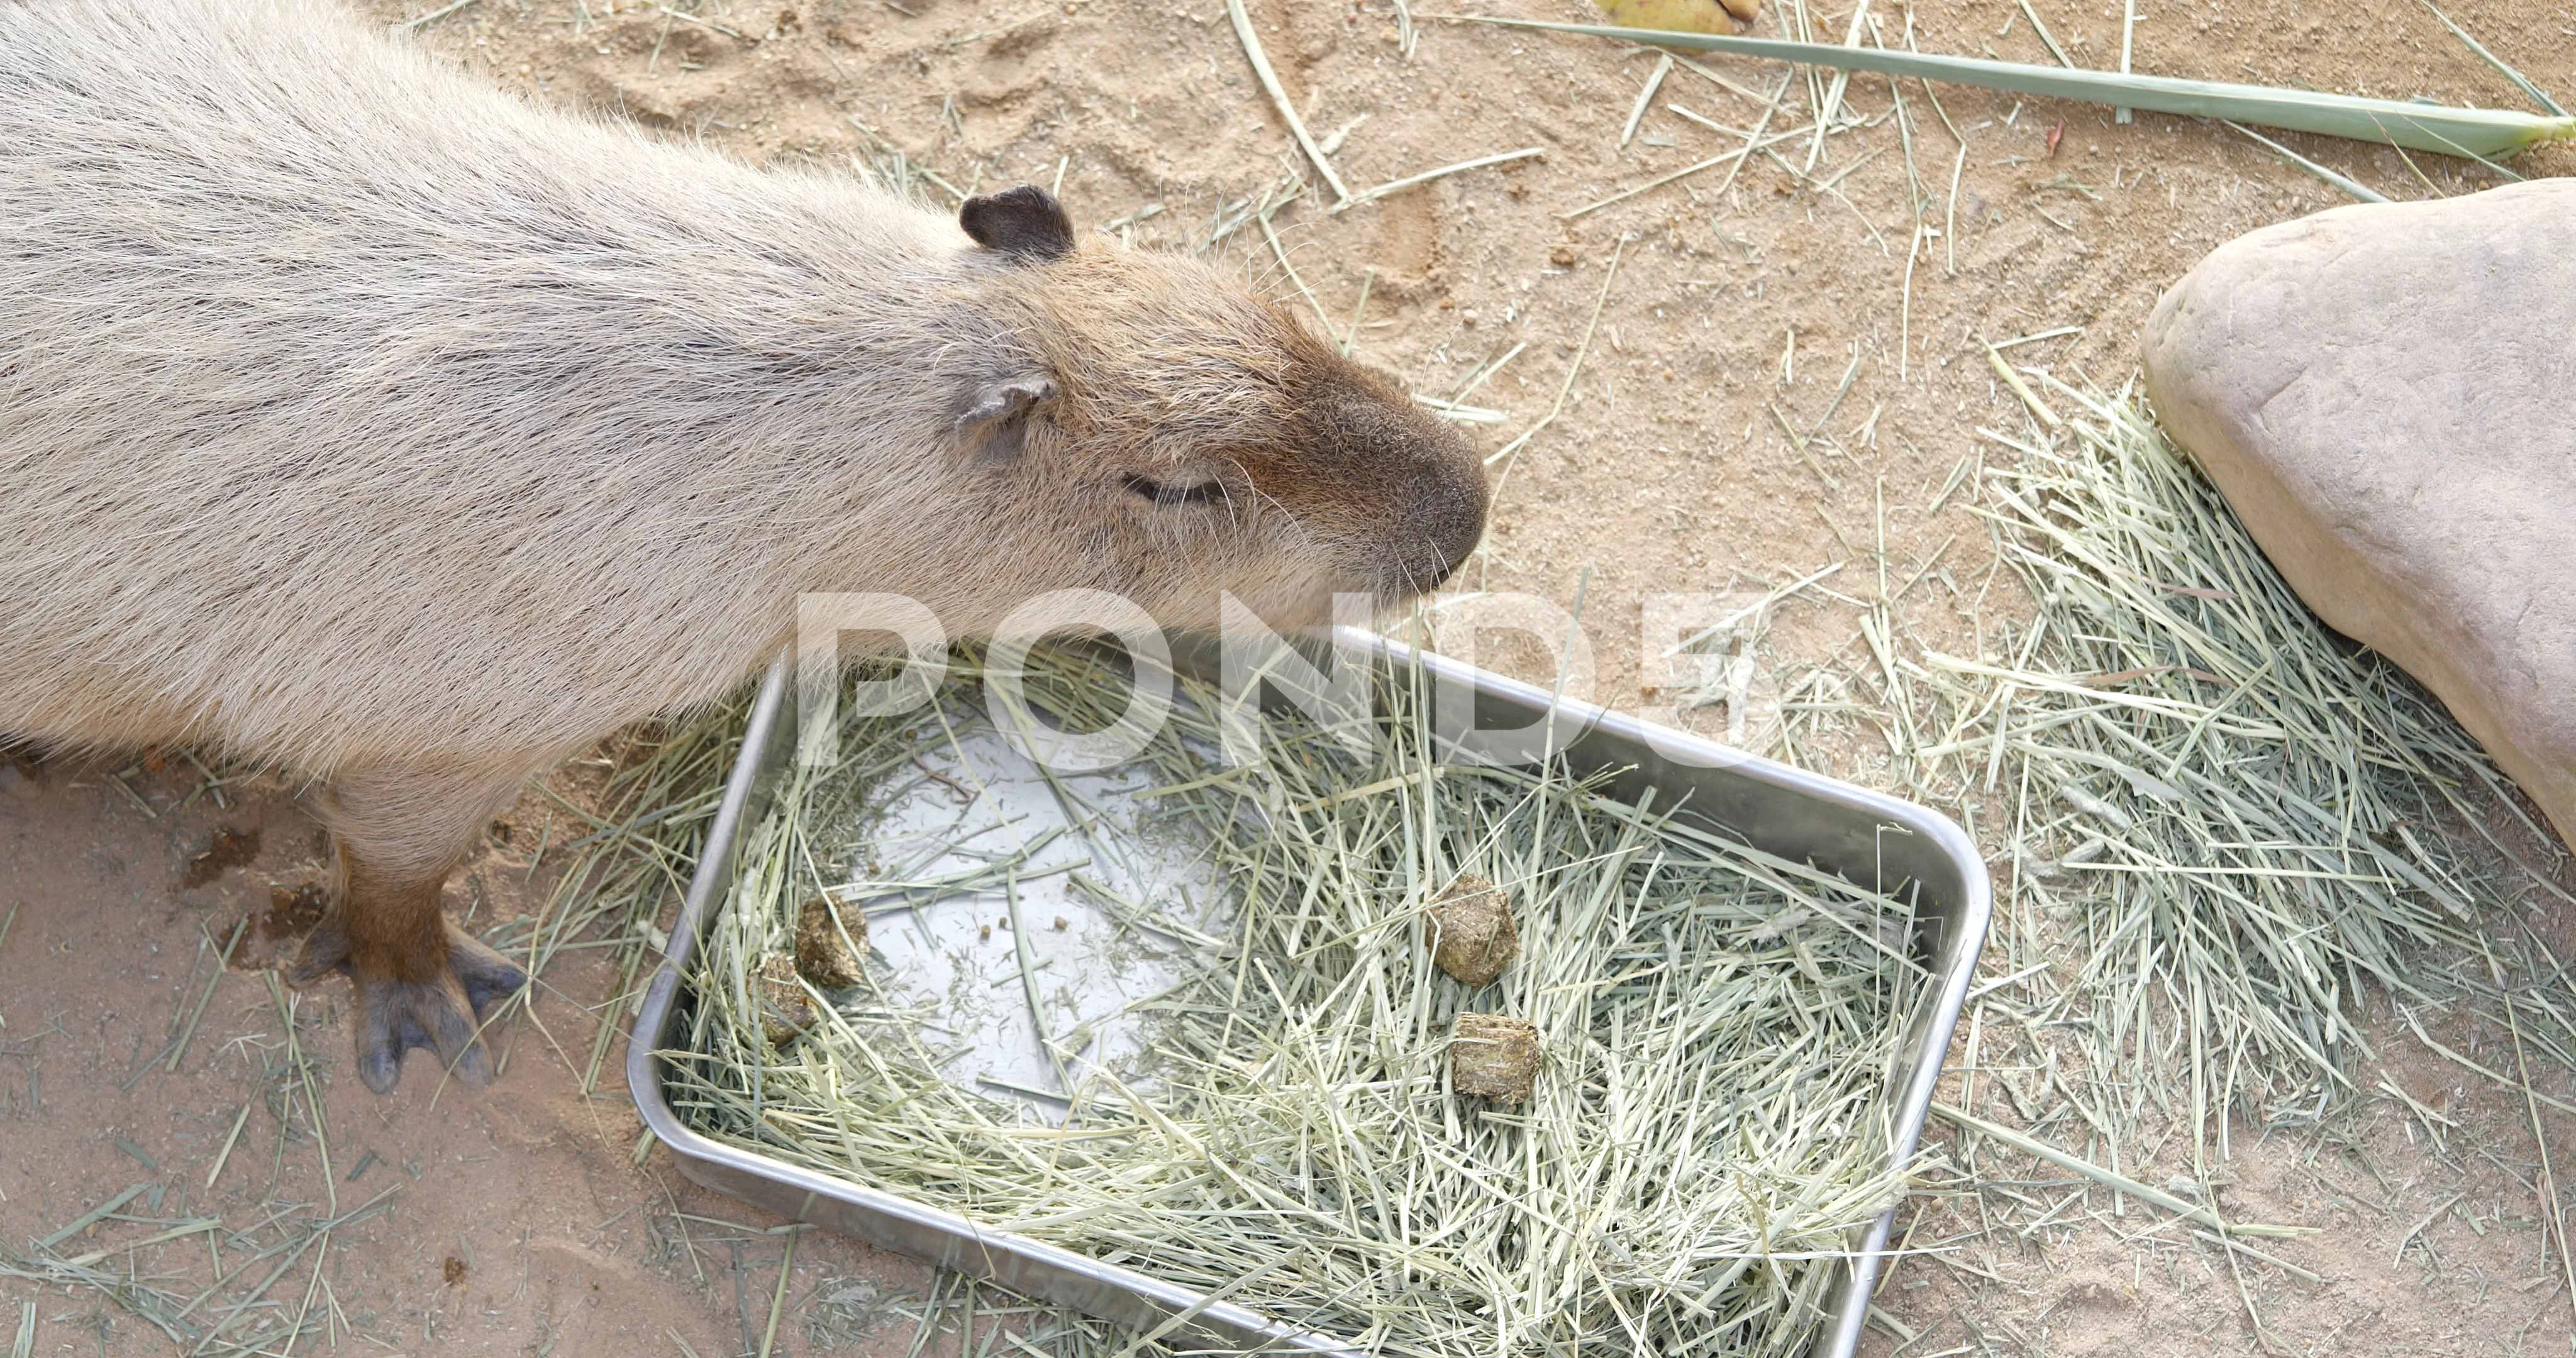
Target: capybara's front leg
{"type": "Point", "coordinates": [421, 981]}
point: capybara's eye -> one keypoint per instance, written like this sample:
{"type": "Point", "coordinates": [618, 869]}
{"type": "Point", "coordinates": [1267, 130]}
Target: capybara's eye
{"type": "Point", "coordinates": [1167, 496]}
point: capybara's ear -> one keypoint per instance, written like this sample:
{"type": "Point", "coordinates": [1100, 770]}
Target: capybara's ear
{"type": "Point", "coordinates": [995, 402]}
{"type": "Point", "coordinates": [995, 421]}
{"type": "Point", "coordinates": [1025, 223]}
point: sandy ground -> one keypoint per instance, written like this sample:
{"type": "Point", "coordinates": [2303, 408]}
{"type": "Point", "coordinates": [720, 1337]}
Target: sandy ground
{"type": "Point", "coordinates": [509, 1221]}
{"type": "Point", "coordinates": [1785, 375]}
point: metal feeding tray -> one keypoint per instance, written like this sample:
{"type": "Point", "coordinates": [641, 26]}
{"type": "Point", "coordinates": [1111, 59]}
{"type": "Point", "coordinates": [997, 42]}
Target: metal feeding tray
{"type": "Point", "coordinates": [1876, 842]}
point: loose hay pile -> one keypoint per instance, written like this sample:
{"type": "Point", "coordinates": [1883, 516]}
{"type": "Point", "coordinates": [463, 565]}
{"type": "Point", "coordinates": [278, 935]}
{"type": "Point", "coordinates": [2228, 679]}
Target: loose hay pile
{"type": "Point", "coordinates": [1710, 1030]}
{"type": "Point", "coordinates": [2228, 828]}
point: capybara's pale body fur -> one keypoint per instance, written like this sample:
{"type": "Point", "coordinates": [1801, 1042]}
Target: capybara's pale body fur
{"type": "Point", "coordinates": [363, 419]}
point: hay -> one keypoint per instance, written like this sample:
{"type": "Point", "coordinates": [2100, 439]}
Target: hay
{"type": "Point", "coordinates": [2240, 825]}
{"type": "Point", "coordinates": [1702, 1137]}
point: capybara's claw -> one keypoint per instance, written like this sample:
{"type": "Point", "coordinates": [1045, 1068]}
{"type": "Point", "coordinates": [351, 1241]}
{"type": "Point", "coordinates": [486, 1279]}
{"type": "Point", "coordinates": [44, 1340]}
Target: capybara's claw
{"type": "Point", "coordinates": [489, 978]}
{"type": "Point", "coordinates": [325, 952]}
{"type": "Point", "coordinates": [396, 1016]}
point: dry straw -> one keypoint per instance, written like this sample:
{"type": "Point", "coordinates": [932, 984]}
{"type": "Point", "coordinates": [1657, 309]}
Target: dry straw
{"type": "Point", "coordinates": [1706, 1132]}
{"type": "Point", "coordinates": [2238, 850]}
{"type": "Point", "coordinates": [2248, 829]}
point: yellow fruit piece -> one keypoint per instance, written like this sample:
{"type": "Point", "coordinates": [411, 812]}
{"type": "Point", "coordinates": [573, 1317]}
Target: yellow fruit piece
{"type": "Point", "coordinates": [1681, 16]}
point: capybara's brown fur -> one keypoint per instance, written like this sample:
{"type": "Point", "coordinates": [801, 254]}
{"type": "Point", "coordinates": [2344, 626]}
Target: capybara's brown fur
{"type": "Point", "coordinates": [366, 420]}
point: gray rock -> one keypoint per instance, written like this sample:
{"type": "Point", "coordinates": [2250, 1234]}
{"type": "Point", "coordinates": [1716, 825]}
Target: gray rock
{"type": "Point", "coordinates": [2387, 395]}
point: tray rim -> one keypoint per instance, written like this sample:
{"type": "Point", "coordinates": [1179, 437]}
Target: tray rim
{"type": "Point", "coordinates": [995, 1253]}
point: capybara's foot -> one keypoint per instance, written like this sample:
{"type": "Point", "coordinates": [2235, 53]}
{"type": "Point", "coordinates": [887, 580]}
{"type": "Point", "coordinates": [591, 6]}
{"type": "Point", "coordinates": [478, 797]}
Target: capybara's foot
{"type": "Point", "coordinates": [441, 1012]}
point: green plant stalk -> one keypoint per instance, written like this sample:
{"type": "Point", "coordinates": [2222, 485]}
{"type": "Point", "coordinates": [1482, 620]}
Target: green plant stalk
{"type": "Point", "coordinates": [2472, 133]}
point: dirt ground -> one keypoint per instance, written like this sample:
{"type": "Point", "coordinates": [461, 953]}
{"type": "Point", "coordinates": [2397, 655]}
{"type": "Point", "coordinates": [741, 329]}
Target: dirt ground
{"type": "Point", "coordinates": [509, 1221]}
{"type": "Point", "coordinates": [1784, 374]}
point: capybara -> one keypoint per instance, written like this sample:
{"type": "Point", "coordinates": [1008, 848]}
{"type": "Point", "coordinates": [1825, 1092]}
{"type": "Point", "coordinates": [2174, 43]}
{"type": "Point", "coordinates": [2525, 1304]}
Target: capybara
{"type": "Point", "coordinates": [364, 419]}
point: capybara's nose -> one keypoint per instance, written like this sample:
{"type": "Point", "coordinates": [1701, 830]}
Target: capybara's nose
{"type": "Point", "coordinates": [1448, 511]}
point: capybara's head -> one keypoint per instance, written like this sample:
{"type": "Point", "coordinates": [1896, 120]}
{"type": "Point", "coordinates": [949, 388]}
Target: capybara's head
{"type": "Point", "coordinates": [1182, 438]}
